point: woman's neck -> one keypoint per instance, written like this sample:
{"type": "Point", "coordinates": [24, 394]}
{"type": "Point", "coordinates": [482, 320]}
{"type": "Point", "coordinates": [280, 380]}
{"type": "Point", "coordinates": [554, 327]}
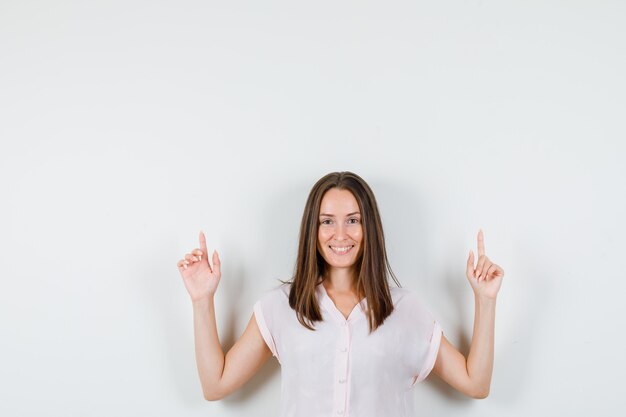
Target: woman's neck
{"type": "Point", "coordinates": [340, 280]}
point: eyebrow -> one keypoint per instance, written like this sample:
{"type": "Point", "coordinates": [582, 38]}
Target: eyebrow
{"type": "Point", "coordinates": [332, 215]}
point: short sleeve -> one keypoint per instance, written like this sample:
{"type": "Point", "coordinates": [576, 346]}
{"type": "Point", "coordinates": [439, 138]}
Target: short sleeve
{"type": "Point", "coordinates": [427, 337]}
{"type": "Point", "coordinates": [267, 315]}
{"type": "Point", "coordinates": [431, 352]}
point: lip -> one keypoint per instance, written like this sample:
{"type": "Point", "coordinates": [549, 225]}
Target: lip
{"type": "Point", "coordinates": [342, 253]}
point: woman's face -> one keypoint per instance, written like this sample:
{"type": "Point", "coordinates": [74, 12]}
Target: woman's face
{"type": "Point", "coordinates": [340, 231]}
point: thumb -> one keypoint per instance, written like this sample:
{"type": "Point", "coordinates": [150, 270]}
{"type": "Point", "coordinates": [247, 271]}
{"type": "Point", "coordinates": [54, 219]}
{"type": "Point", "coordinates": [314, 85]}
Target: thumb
{"type": "Point", "coordinates": [216, 263]}
{"type": "Point", "coordinates": [470, 263]}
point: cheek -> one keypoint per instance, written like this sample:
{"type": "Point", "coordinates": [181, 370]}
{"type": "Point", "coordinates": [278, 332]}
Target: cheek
{"type": "Point", "coordinates": [321, 244]}
{"type": "Point", "coordinates": [318, 244]}
{"type": "Point", "coordinates": [323, 235]}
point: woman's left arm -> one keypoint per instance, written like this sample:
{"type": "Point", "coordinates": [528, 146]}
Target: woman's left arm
{"type": "Point", "coordinates": [472, 376]}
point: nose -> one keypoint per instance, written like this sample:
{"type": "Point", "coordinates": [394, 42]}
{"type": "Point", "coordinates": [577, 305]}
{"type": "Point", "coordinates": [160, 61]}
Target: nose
{"type": "Point", "coordinates": [340, 232]}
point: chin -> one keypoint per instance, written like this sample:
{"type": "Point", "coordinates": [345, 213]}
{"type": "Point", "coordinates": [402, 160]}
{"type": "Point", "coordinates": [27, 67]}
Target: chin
{"type": "Point", "coordinates": [342, 264]}
{"type": "Point", "coordinates": [336, 265]}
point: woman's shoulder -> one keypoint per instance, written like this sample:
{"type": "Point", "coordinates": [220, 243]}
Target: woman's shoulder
{"type": "Point", "coordinates": [400, 293]}
{"type": "Point", "coordinates": [276, 292]}
{"type": "Point", "coordinates": [407, 298]}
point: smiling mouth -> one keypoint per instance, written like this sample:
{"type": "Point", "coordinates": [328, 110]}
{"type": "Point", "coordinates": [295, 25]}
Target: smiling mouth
{"type": "Point", "coordinates": [341, 250]}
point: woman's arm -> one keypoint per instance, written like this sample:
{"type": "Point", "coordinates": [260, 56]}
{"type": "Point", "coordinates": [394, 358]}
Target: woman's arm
{"type": "Point", "coordinates": [221, 375]}
{"type": "Point", "coordinates": [480, 357]}
{"type": "Point", "coordinates": [471, 376]}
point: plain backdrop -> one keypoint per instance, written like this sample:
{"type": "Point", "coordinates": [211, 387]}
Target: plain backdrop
{"type": "Point", "coordinates": [126, 127]}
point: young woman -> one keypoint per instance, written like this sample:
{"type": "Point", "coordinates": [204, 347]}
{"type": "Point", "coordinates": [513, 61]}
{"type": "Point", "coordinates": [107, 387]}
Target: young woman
{"type": "Point", "coordinates": [348, 343]}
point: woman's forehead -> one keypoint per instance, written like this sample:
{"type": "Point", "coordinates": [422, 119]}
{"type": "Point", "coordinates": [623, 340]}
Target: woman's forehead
{"type": "Point", "coordinates": [338, 202]}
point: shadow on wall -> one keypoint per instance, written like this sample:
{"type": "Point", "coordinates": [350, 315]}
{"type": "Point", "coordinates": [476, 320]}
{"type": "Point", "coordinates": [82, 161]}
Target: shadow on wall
{"type": "Point", "coordinates": [174, 322]}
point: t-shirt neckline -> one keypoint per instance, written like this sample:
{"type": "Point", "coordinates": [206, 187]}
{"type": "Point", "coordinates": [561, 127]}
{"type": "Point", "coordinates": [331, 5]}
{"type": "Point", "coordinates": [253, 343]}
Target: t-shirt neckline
{"type": "Point", "coordinates": [356, 313]}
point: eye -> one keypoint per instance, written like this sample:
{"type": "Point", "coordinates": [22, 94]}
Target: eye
{"type": "Point", "coordinates": [325, 221]}
{"type": "Point", "coordinates": [353, 220]}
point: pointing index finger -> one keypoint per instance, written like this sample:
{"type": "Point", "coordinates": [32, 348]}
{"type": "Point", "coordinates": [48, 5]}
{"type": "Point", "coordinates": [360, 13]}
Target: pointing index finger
{"type": "Point", "coordinates": [481, 243]}
{"type": "Point", "coordinates": [203, 243]}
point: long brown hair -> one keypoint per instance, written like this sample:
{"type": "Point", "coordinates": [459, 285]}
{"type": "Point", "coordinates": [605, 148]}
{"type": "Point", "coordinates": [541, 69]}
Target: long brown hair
{"type": "Point", "coordinates": [372, 266]}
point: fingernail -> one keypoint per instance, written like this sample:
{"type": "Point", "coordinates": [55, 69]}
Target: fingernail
{"type": "Point", "coordinates": [185, 266]}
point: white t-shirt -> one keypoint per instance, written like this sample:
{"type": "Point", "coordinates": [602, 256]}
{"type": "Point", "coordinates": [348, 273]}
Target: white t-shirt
{"type": "Point", "coordinates": [340, 369]}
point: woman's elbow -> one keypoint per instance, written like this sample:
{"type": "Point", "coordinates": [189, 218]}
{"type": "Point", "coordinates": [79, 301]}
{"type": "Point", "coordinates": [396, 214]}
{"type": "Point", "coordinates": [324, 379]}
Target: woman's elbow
{"type": "Point", "coordinates": [214, 395]}
{"type": "Point", "coordinates": [479, 393]}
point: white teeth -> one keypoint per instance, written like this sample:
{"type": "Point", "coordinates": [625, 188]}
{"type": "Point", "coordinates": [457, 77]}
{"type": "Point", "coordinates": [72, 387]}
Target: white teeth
{"type": "Point", "coordinates": [341, 250]}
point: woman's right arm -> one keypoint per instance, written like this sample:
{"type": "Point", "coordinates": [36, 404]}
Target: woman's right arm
{"type": "Point", "coordinates": [219, 374]}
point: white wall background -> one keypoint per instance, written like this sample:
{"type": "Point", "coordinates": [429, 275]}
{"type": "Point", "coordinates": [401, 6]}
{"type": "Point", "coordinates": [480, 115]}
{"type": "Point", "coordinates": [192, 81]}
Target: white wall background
{"type": "Point", "coordinates": [128, 126]}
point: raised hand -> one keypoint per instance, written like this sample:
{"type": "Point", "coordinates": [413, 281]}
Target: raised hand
{"type": "Point", "coordinates": [201, 280]}
{"type": "Point", "coordinates": [486, 277]}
